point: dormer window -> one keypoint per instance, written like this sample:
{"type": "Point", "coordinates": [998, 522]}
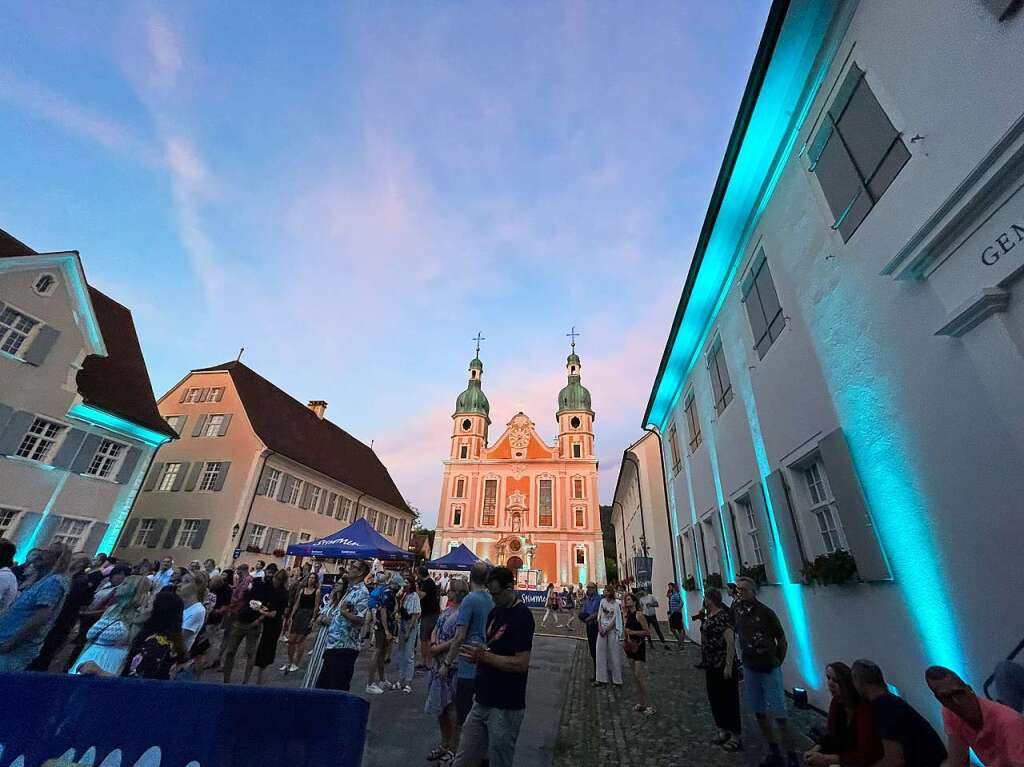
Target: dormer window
{"type": "Point", "coordinates": [45, 284]}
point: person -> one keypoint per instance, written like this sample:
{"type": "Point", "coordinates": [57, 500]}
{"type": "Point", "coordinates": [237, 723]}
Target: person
{"type": "Point", "coordinates": [80, 594]}
{"type": "Point", "coordinates": [162, 577]}
{"type": "Point", "coordinates": [721, 677]}
{"type": "Point", "coordinates": [259, 571]}
{"type": "Point", "coordinates": [569, 603]}
{"type": "Point", "coordinates": [304, 611]}
{"type": "Point", "coordinates": [636, 630]}
{"type": "Point", "coordinates": [430, 610]}
{"type": "Point", "coordinates": [609, 632]}
{"type": "Point", "coordinates": [193, 592]}
{"type": "Point", "coordinates": [240, 587]}
{"type": "Point", "coordinates": [102, 600]}
{"type": "Point", "coordinates": [907, 737]}
{"type": "Point", "coordinates": [158, 647]}
{"type": "Point", "coordinates": [649, 604]}
{"type": "Point", "coordinates": [8, 580]}
{"type": "Point", "coordinates": [503, 666]}
{"type": "Point", "coordinates": [763, 648]}
{"type": "Point", "coordinates": [993, 731]}
{"type": "Point", "coordinates": [550, 606]}
{"type": "Point", "coordinates": [442, 679]}
{"type": "Point", "coordinates": [408, 635]}
{"type": "Point", "coordinates": [382, 611]}
{"type": "Point", "coordinates": [344, 621]}
{"type": "Point", "coordinates": [220, 587]}
{"type": "Point", "coordinates": [591, 606]}
{"type": "Point", "coordinates": [26, 623]}
{"type": "Point", "coordinates": [245, 626]}
{"type": "Point", "coordinates": [210, 568]}
{"type": "Point", "coordinates": [107, 640]}
{"type": "Point", "coordinates": [675, 613]}
{"type": "Point", "coordinates": [851, 733]}
{"type": "Point", "coordinates": [471, 629]}
{"type": "Point", "coordinates": [275, 603]}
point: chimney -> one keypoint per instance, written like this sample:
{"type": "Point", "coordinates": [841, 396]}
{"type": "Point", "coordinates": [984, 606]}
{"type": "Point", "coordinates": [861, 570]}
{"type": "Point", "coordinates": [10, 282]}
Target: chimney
{"type": "Point", "coordinates": [318, 406]}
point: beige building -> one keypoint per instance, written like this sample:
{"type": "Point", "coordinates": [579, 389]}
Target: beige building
{"type": "Point", "coordinates": [254, 470]}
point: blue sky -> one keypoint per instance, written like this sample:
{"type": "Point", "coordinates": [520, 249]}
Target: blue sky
{"type": "Point", "coordinates": [352, 191]}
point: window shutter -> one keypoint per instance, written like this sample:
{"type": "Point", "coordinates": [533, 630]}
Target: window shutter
{"type": "Point", "coordinates": [47, 528]}
{"type": "Point", "coordinates": [69, 448]}
{"type": "Point", "coordinates": [218, 484]}
{"type": "Point", "coordinates": [193, 476]}
{"type": "Point", "coordinates": [154, 535]}
{"type": "Point", "coordinates": [5, 410]}
{"type": "Point", "coordinates": [264, 483]}
{"type": "Point", "coordinates": [322, 507]}
{"type": "Point", "coordinates": [128, 465]}
{"type": "Point", "coordinates": [854, 514]}
{"type": "Point", "coordinates": [153, 476]}
{"type": "Point", "coordinates": [286, 484]}
{"type": "Point", "coordinates": [786, 523]}
{"type": "Point", "coordinates": [184, 394]}
{"type": "Point", "coordinates": [224, 425]}
{"type": "Point", "coordinates": [727, 535]}
{"type": "Point", "coordinates": [85, 454]}
{"type": "Point", "coordinates": [27, 522]}
{"type": "Point", "coordinates": [46, 337]}
{"type": "Point", "coordinates": [172, 533]}
{"type": "Point", "coordinates": [181, 424]}
{"type": "Point", "coordinates": [129, 532]}
{"type": "Point", "coordinates": [92, 541]}
{"type": "Point", "coordinates": [204, 393]}
{"type": "Point", "coordinates": [200, 536]}
{"type": "Point", "coordinates": [845, 92]}
{"type": "Point", "coordinates": [200, 423]}
{"type": "Point", "coordinates": [304, 500]}
{"type": "Point", "coordinates": [12, 436]}
{"type": "Point", "coordinates": [764, 532]}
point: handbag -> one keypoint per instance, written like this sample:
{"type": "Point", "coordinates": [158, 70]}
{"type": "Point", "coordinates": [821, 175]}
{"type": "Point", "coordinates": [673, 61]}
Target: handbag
{"type": "Point", "coordinates": [630, 645]}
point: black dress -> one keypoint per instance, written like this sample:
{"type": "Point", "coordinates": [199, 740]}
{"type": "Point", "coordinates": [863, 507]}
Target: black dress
{"type": "Point", "coordinates": [276, 600]}
{"type": "Point", "coordinates": [633, 624]}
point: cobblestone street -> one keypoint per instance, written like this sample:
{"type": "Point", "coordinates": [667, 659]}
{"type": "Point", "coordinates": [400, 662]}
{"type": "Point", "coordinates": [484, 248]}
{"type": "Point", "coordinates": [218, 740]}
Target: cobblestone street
{"type": "Point", "coordinates": [600, 729]}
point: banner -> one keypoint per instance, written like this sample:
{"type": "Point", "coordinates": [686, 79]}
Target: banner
{"type": "Point", "coordinates": [642, 569]}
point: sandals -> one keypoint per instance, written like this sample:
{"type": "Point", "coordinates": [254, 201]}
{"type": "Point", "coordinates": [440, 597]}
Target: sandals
{"type": "Point", "coordinates": [638, 707]}
{"type": "Point", "coordinates": [649, 711]}
{"type": "Point", "coordinates": [441, 756]}
{"type": "Point", "coordinates": [732, 745]}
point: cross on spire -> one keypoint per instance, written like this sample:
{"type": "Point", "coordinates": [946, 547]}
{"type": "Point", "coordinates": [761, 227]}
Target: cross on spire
{"type": "Point", "coordinates": [478, 339]}
{"type": "Point", "coordinates": [573, 334]}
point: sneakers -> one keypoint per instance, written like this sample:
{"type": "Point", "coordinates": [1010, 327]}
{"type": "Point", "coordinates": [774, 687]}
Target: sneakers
{"type": "Point", "coordinates": [407, 689]}
{"type": "Point", "coordinates": [373, 689]}
{"type": "Point", "coordinates": [285, 667]}
{"type": "Point", "coordinates": [293, 668]}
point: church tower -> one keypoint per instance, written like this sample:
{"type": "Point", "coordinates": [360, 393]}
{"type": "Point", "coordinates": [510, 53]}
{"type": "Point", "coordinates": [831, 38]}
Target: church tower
{"type": "Point", "coordinates": [472, 416]}
{"type": "Point", "coordinates": [575, 416]}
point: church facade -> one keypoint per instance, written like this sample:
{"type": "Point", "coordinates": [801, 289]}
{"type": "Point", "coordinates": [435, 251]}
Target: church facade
{"type": "Point", "coordinates": [520, 501]}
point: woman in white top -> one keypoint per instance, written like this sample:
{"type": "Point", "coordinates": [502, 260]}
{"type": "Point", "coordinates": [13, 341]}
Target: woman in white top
{"type": "Point", "coordinates": [108, 640]}
{"type": "Point", "coordinates": [609, 634]}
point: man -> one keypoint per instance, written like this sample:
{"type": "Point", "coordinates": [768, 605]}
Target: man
{"type": "Point", "coordinates": [80, 594]}
{"type": "Point", "coordinates": [162, 577]}
{"type": "Point", "coordinates": [345, 623]}
{"type": "Point", "coordinates": [675, 613]}
{"type": "Point", "coordinates": [430, 609]}
{"type": "Point", "coordinates": [589, 609]}
{"type": "Point", "coordinates": [25, 624]}
{"type": "Point", "coordinates": [210, 567]}
{"type": "Point", "coordinates": [258, 571]}
{"type": "Point", "coordinates": [381, 607]}
{"type": "Point", "coordinates": [993, 731]}
{"type": "Point", "coordinates": [503, 664]}
{"type": "Point", "coordinates": [649, 603]}
{"type": "Point", "coordinates": [763, 648]}
{"type": "Point", "coordinates": [246, 624]}
{"type": "Point", "coordinates": [8, 580]}
{"type": "Point", "coordinates": [239, 596]}
{"type": "Point", "coordinates": [907, 738]}
{"type": "Point", "coordinates": [470, 628]}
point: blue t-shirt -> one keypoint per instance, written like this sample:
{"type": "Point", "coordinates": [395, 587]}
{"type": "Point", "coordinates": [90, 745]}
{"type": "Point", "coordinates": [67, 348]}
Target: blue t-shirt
{"type": "Point", "coordinates": [473, 614]}
{"type": "Point", "coordinates": [47, 592]}
{"type": "Point", "coordinates": [675, 602]}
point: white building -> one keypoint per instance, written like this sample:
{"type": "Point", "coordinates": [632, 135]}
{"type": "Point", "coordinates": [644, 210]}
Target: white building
{"type": "Point", "coordinates": [78, 421]}
{"type": "Point", "coordinates": [846, 364]}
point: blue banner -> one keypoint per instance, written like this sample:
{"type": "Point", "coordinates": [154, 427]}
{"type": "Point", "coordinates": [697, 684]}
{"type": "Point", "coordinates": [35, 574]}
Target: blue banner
{"type": "Point", "coordinates": [80, 719]}
{"type": "Point", "coordinates": [533, 598]}
{"type": "Point", "coordinates": [642, 569]}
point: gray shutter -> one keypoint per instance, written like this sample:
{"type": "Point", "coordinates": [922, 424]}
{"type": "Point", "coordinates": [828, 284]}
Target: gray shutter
{"type": "Point", "coordinates": [224, 425]}
{"type": "Point", "coordinates": [245, 536]}
{"type": "Point", "coordinates": [764, 532]}
{"type": "Point", "coordinates": [129, 532]}
{"type": "Point", "coordinates": [153, 476]}
{"type": "Point", "coordinates": [193, 476]}
{"type": "Point", "coordinates": [69, 448]}
{"type": "Point", "coordinates": [200, 536]}
{"type": "Point", "coordinates": [218, 483]}
{"type": "Point", "coordinates": [14, 433]}
{"type": "Point", "coordinates": [181, 424]}
{"type": "Point", "coordinates": [46, 529]}
{"type": "Point", "coordinates": [292, 538]}
{"type": "Point", "coordinates": [853, 509]}
{"type": "Point", "coordinates": [723, 545]}
{"type": "Point", "coordinates": [172, 533]}
{"type": "Point", "coordinates": [154, 535]}
{"type": "Point", "coordinates": [204, 393]}
{"type": "Point", "coordinates": [45, 338]}
{"type": "Point", "coordinates": [92, 541]}
{"type": "Point", "coordinates": [5, 410]}
{"type": "Point", "coordinates": [786, 524]}
{"type": "Point", "coordinates": [85, 454]}
{"type": "Point", "coordinates": [304, 499]}
{"type": "Point", "coordinates": [128, 465]}
{"type": "Point", "coordinates": [261, 486]}
{"type": "Point", "coordinates": [27, 522]}
{"type": "Point", "coordinates": [286, 487]}
{"type": "Point", "coordinates": [200, 423]}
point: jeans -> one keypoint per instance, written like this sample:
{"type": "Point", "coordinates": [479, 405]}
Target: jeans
{"type": "Point", "coordinates": [407, 657]}
{"type": "Point", "coordinates": [765, 693]}
{"type": "Point", "coordinates": [337, 669]}
{"type": "Point", "coordinates": [250, 632]}
{"type": "Point", "coordinates": [489, 733]}
{"type": "Point", "coordinates": [652, 622]}
{"type": "Point", "coordinates": [592, 641]}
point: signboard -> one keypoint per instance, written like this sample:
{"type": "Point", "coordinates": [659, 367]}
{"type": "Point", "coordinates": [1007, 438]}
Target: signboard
{"type": "Point", "coordinates": [236, 554]}
{"type": "Point", "coordinates": [533, 597]}
{"type": "Point", "coordinates": [642, 568]}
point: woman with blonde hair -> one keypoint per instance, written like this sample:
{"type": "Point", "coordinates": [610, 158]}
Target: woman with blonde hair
{"type": "Point", "coordinates": [108, 639]}
{"type": "Point", "coordinates": [25, 624]}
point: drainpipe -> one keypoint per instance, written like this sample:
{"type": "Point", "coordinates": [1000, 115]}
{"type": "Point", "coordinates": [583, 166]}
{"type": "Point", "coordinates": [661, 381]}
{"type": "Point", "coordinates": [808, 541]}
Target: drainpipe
{"type": "Point", "coordinates": [668, 511]}
{"type": "Point", "coordinates": [252, 500]}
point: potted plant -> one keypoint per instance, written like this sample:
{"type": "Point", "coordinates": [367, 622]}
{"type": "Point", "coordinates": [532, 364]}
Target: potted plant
{"type": "Point", "coordinates": [714, 581]}
{"type": "Point", "coordinates": [279, 553]}
{"type": "Point", "coordinates": [689, 584]}
{"type": "Point", "coordinates": [253, 549]}
{"type": "Point", "coordinates": [754, 572]}
{"type": "Point", "coordinates": [833, 569]}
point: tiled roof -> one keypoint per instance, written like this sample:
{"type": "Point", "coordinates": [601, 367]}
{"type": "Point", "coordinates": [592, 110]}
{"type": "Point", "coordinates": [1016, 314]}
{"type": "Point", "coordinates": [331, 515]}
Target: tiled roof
{"type": "Point", "coordinates": [288, 427]}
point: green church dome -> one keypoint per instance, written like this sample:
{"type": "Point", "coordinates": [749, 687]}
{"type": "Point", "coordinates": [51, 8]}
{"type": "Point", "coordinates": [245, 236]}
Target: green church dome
{"type": "Point", "coordinates": [575, 395]}
{"type": "Point", "coordinates": [473, 400]}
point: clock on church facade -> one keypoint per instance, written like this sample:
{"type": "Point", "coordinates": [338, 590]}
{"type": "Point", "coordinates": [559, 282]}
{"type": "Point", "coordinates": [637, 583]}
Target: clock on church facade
{"type": "Point", "coordinates": [519, 501]}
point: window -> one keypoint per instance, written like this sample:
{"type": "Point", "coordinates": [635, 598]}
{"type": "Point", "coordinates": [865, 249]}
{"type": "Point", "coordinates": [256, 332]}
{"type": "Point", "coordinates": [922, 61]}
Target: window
{"type": "Point", "coordinates": [580, 516]}
{"type": "Point", "coordinates": [763, 308]}
{"type": "Point", "coordinates": [392, 524]}
{"type": "Point", "coordinates": [257, 534]}
{"type": "Point", "coordinates": [490, 502]}
{"type": "Point", "coordinates": [346, 509]}
{"type": "Point", "coordinates": [171, 472]}
{"type": "Point", "coordinates": [673, 443]}
{"type": "Point", "coordinates": [45, 284]}
{"type": "Point", "coordinates": [314, 498]}
{"type": "Point", "coordinates": [823, 507]}
{"type": "Point", "coordinates": [280, 542]}
{"type": "Point", "coordinates": [192, 396]}
{"type": "Point", "coordinates": [747, 512]}
{"type": "Point", "coordinates": [692, 421]}
{"type": "Point", "coordinates": [577, 450]}
{"type": "Point", "coordinates": [215, 394]}
{"type": "Point", "coordinates": [39, 440]}
{"type": "Point", "coordinates": [106, 458]}
{"type": "Point", "coordinates": [856, 153]}
{"type": "Point", "coordinates": [460, 488]}
{"type": "Point", "coordinates": [305, 537]}
{"type": "Point", "coordinates": [371, 517]}
{"type": "Point", "coordinates": [292, 496]}
{"type": "Point", "coordinates": [176, 422]}
{"type": "Point", "coordinates": [720, 383]}
{"type": "Point", "coordinates": [273, 480]}
{"type": "Point", "coordinates": [145, 530]}
{"type": "Point", "coordinates": [213, 426]}
{"type": "Point", "coordinates": [14, 329]}
{"type": "Point", "coordinates": [544, 504]}
{"type": "Point", "coordinates": [7, 518]}
{"type": "Point", "coordinates": [331, 505]}
{"type": "Point", "coordinates": [581, 556]}
{"type": "Point", "coordinates": [457, 516]}
{"type": "Point", "coordinates": [187, 533]}
{"type": "Point", "coordinates": [464, 451]}
{"type": "Point", "coordinates": [577, 487]}
{"type": "Point", "coordinates": [211, 473]}
{"type": "Point", "coordinates": [70, 532]}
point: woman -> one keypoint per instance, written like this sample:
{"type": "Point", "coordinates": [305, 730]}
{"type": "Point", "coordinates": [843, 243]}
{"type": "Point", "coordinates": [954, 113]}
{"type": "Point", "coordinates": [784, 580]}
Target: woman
{"type": "Point", "coordinates": [636, 630]}
{"type": "Point", "coordinates": [25, 624]}
{"type": "Point", "coordinates": [275, 604]}
{"type": "Point", "coordinates": [569, 603]}
{"type": "Point", "coordinates": [193, 592]}
{"type": "Point", "coordinates": [108, 639]}
{"type": "Point", "coordinates": [300, 621]}
{"type": "Point", "coordinates": [609, 630]}
{"type": "Point", "coordinates": [408, 633]}
{"type": "Point", "coordinates": [441, 682]}
{"type": "Point", "coordinates": [158, 647]}
{"type": "Point", "coordinates": [718, 657]}
{"type": "Point", "coordinates": [851, 736]}
{"type": "Point", "coordinates": [550, 606]}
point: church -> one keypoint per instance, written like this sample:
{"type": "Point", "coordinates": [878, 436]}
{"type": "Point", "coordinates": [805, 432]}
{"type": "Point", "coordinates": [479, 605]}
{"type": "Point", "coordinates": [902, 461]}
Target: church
{"type": "Point", "coordinates": [520, 501]}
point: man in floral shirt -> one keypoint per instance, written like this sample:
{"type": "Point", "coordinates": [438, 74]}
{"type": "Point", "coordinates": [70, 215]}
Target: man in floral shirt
{"type": "Point", "coordinates": [345, 622]}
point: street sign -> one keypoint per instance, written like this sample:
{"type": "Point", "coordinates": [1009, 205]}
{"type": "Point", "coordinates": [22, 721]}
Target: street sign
{"type": "Point", "coordinates": [237, 553]}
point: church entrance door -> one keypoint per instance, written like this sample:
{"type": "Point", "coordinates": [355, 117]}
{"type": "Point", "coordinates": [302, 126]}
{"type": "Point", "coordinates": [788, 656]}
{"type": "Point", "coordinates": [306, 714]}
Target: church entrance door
{"type": "Point", "coordinates": [514, 564]}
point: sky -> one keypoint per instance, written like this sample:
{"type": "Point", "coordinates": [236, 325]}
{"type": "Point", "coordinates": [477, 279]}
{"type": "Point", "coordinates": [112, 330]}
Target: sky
{"type": "Point", "coordinates": [352, 191]}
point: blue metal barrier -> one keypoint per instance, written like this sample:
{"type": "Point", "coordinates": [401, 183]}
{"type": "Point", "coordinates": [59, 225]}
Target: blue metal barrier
{"type": "Point", "coordinates": [113, 722]}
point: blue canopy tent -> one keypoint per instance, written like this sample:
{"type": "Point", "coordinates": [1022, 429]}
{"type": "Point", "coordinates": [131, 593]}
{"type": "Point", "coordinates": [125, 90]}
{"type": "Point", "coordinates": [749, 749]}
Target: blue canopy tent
{"type": "Point", "coordinates": [357, 541]}
{"type": "Point", "coordinates": [460, 558]}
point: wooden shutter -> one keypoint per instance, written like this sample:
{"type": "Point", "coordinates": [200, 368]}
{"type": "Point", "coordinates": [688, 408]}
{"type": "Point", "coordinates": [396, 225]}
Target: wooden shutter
{"type": "Point", "coordinates": [204, 393]}
{"type": "Point", "coordinates": [786, 523]}
{"type": "Point", "coordinates": [14, 432]}
{"type": "Point", "coordinates": [264, 483]}
{"type": "Point", "coordinates": [129, 532]}
{"type": "Point", "coordinates": [69, 448]}
{"type": "Point", "coordinates": [90, 445]}
{"type": "Point", "coordinates": [304, 499]}
{"type": "Point", "coordinates": [128, 465]}
{"type": "Point", "coordinates": [92, 541]}
{"type": "Point", "coordinates": [200, 423]}
{"type": "Point", "coordinates": [46, 337]}
{"type": "Point", "coordinates": [172, 533]}
{"type": "Point", "coordinates": [764, 532]}
{"type": "Point", "coordinates": [184, 394]}
{"type": "Point", "coordinates": [193, 476]}
{"type": "Point", "coordinates": [224, 425]}
{"type": "Point", "coordinates": [200, 536]}
{"type": "Point", "coordinates": [218, 483]}
{"type": "Point", "coordinates": [153, 476]}
{"type": "Point", "coordinates": [286, 486]}
{"type": "Point", "coordinates": [47, 528]}
{"type": "Point", "coordinates": [27, 522]}
{"type": "Point", "coordinates": [154, 534]}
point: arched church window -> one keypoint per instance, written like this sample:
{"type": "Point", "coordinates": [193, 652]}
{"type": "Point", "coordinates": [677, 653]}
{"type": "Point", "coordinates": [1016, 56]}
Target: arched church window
{"type": "Point", "coordinates": [545, 514]}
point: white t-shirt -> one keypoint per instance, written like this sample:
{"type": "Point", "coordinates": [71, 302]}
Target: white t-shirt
{"type": "Point", "coordinates": [650, 605]}
{"type": "Point", "coordinates": [193, 620]}
{"type": "Point", "coordinates": [8, 588]}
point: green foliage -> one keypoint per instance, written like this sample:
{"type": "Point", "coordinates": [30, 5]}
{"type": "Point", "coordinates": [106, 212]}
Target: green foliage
{"type": "Point", "coordinates": [713, 581]}
{"type": "Point", "coordinates": [833, 569]}
{"type": "Point", "coordinates": [689, 583]}
{"type": "Point", "coordinates": [754, 572]}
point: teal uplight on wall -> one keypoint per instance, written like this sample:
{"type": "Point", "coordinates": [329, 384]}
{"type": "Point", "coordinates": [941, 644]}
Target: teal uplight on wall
{"type": "Point", "coordinates": [116, 423]}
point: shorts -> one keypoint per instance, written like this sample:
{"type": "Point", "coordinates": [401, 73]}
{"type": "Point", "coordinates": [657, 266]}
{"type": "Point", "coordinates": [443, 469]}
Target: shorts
{"type": "Point", "coordinates": [465, 688]}
{"type": "Point", "coordinates": [765, 693]}
{"type": "Point", "coordinates": [427, 623]}
{"type": "Point", "coordinates": [675, 621]}
{"type": "Point", "coordinates": [380, 638]}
